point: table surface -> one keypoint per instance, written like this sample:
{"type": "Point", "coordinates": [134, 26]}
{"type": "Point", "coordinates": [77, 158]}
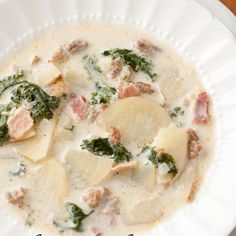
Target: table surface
{"type": "Point", "coordinates": [231, 4]}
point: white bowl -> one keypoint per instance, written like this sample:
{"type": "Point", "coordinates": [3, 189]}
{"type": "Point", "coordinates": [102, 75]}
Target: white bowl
{"type": "Point", "coordinates": [196, 34]}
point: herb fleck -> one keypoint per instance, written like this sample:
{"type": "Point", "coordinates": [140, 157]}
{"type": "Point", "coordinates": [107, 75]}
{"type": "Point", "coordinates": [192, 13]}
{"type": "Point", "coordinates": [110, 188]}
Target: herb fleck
{"type": "Point", "coordinates": [176, 111]}
{"type": "Point", "coordinates": [20, 171]}
{"type": "Point", "coordinates": [71, 128]}
{"type": "Point", "coordinates": [29, 221]}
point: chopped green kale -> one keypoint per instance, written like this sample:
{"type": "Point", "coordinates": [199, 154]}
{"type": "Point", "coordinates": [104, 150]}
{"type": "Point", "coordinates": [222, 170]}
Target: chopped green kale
{"type": "Point", "coordinates": [11, 80]}
{"type": "Point", "coordinates": [99, 146]}
{"type": "Point", "coordinates": [94, 71]}
{"type": "Point", "coordinates": [160, 157]}
{"type": "Point", "coordinates": [41, 104]}
{"type": "Point", "coordinates": [102, 146]}
{"type": "Point", "coordinates": [176, 111]}
{"type": "Point", "coordinates": [4, 135]}
{"type": "Point", "coordinates": [136, 62]}
{"type": "Point", "coordinates": [76, 217]}
{"type": "Point", "coordinates": [103, 94]}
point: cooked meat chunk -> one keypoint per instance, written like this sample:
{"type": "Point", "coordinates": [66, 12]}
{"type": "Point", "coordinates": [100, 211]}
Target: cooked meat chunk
{"type": "Point", "coordinates": [58, 56]}
{"type": "Point", "coordinates": [202, 116]}
{"type": "Point", "coordinates": [128, 90]}
{"type": "Point", "coordinates": [133, 89]}
{"type": "Point", "coordinates": [115, 135]}
{"type": "Point", "coordinates": [146, 47]}
{"type": "Point", "coordinates": [93, 197]}
{"type": "Point", "coordinates": [76, 46]}
{"type": "Point", "coordinates": [17, 197]}
{"type": "Point", "coordinates": [116, 67]}
{"type": "Point", "coordinates": [79, 106]}
{"type": "Point", "coordinates": [65, 51]}
{"type": "Point", "coordinates": [144, 87]}
{"type": "Point", "coordinates": [36, 59]}
{"type": "Point", "coordinates": [58, 88]}
{"type": "Point", "coordinates": [194, 146]}
{"type": "Point", "coordinates": [19, 124]}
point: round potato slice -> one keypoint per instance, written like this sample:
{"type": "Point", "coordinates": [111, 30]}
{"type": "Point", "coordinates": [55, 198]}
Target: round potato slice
{"type": "Point", "coordinates": [144, 175]}
{"type": "Point", "coordinates": [48, 187]}
{"type": "Point", "coordinates": [36, 148]}
{"type": "Point", "coordinates": [90, 168]}
{"type": "Point", "coordinates": [172, 140]}
{"type": "Point", "coordinates": [138, 119]}
{"type": "Point", "coordinates": [141, 212]}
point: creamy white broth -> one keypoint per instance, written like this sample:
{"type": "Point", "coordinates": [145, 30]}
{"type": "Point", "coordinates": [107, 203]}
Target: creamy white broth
{"type": "Point", "coordinates": [179, 85]}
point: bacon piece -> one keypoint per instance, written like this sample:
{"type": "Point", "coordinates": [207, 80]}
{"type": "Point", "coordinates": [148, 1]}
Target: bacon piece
{"type": "Point", "coordinates": [64, 52]}
{"type": "Point", "coordinates": [17, 197]}
{"type": "Point", "coordinates": [194, 147]}
{"type": "Point", "coordinates": [144, 88]}
{"type": "Point", "coordinates": [19, 124]}
{"type": "Point", "coordinates": [146, 47]}
{"type": "Point", "coordinates": [128, 90]}
{"type": "Point", "coordinates": [80, 106]}
{"type": "Point", "coordinates": [115, 135]}
{"type": "Point", "coordinates": [202, 116]}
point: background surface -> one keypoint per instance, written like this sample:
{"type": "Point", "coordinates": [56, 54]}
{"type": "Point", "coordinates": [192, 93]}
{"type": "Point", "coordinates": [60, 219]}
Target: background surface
{"type": "Point", "coordinates": [231, 4]}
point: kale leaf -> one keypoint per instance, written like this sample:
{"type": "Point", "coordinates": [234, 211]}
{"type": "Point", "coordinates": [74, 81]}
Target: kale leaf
{"type": "Point", "coordinates": [94, 71]}
{"type": "Point", "coordinates": [103, 94]}
{"type": "Point", "coordinates": [4, 135]}
{"type": "Point", "coordinates": [136, 62]}
{"type": "Point", "coordinates": [99, 146]}
{"type": "Point", "coordinates": [160, 157]}
{"type": "Point", "coordinates": [41, 104]}
{"type": "Point", "coordinates": [102, 146]}
{"type": "Point", "coordinates": [11, 80]}
{"type": "Point", "coordinates": [76, 216]}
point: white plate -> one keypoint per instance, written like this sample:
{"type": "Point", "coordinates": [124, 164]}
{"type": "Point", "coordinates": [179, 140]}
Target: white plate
{"type": "Point", "coordinates": [196, 34]}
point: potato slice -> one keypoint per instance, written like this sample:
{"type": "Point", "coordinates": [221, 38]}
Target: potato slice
{"type": "Point", "coordinates": [172, 140]}
{"type": "Point", "coordinates": [48, 187]}
{"type": "Point", "coordinates": [145, 175]}
{"type": "Point", "coordinates": [138, 119]}
{"type": "Point", "coordinates": [90, 168]}
{"type": "Point", "coordinates": [149, 207]}
{"type": "Point", "coordinates": [36, 148]}
{"type": "Point", "coordinates": [140, 208]}
{"type": "Point", "coordinates": [47, 74]}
